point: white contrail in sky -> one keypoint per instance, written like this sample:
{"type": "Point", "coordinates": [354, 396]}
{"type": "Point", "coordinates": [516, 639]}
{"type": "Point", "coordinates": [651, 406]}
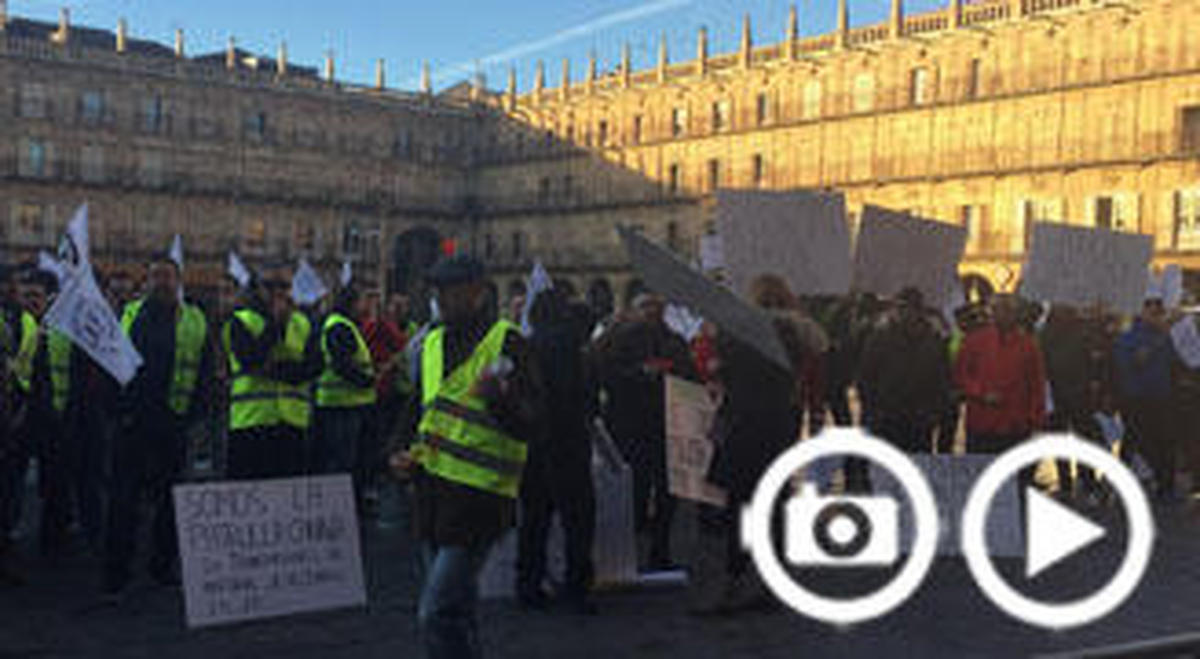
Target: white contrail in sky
{"type": "Point", "coordinates": [562, 36]}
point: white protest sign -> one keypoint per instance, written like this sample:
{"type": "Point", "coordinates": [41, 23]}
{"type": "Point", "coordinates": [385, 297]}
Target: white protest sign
{"type": "Point", "coordinates": [307, 286]}
{"type": "Point", "coordinates": [346, 275]}
{"type": "Point", "coordinates": [1186, 338]}
{"type": "Point", "coordinates": [258, 549]}
{"type": "Point", "coordinates": [897, 250]}
{"type": "Point", "coordinates": [83, 314]}
{"type": "Point", "coordinates": [799, 235]}
{"type": "Point", "coordinates": [951, 477]}
{"type": "Point", "coordinates": [1081, 266]}
{"type": "Point", "coordinates": [689, 416]}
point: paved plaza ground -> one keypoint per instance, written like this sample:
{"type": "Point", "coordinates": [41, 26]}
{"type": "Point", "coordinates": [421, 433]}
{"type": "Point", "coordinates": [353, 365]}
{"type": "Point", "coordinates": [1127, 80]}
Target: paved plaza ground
{"type": "Point", "coordinates": [59, 614]}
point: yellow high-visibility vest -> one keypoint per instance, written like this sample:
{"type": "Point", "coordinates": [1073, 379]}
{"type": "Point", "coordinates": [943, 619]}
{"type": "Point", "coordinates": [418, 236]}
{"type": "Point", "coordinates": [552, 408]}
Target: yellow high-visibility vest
{"type": "Point", "coordinates": [459, 440]}
{"type": "Point", "coordinates": [191, 331]}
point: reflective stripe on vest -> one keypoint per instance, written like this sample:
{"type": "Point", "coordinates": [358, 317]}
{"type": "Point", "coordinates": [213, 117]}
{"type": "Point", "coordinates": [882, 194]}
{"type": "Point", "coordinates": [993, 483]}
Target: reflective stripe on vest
{"type": "Point", "coordinates": [256, 401]}
{"type": "Point", "coordinates": [459, 440]}
{"type": "Point", "coordinates": [26, 351]}
{"type": "Point", "coordinates": [332, 390]}
{"type": "Point", "coordinates": [191, 330]}
{"type": "Point", "coordinates": [58, 349]}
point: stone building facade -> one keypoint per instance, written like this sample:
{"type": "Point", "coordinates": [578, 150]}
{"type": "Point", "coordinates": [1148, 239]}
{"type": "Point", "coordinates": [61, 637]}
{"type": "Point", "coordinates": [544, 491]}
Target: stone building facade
{"type": "Point", "coordinates": [991, 114]}
{"type": "Point", "coordinates": [233, 151]}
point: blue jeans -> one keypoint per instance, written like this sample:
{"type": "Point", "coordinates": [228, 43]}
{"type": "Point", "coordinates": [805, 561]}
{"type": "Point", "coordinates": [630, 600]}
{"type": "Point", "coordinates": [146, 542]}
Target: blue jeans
{"type": "Point", "coordinates": [446, 612]}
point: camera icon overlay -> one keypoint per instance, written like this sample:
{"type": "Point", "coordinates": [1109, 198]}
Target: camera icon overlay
{"type": "Point", "coordinates": [843, 531]}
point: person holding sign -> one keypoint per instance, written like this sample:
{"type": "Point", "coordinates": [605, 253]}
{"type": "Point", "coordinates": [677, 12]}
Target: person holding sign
{"type": "Point", "coordinates": [345, 394]}
{"type": "Point", "coordinates": [273, 359]}
{"type": "Point", "coordinates": [481, 401]}
{"type": "Point", "coordinates": [156, 408]}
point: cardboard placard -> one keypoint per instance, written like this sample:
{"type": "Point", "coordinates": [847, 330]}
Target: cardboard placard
{"type": "Point", "coordinates": [1081, 266]}
{"type": "Point", "coordinates": [897, 250]}
{"type": "Point", "coordinates": [689, 416]}
{"type": "Point", "coordinates": [800, 235]}
{"type": "Point", "coordinates": [259, 549]}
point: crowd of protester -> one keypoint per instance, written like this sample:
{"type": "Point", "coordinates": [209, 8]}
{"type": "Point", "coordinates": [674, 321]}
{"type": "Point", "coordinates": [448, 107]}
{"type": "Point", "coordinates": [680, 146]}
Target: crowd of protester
{"type": "Point", "coordinates": [486, 425]}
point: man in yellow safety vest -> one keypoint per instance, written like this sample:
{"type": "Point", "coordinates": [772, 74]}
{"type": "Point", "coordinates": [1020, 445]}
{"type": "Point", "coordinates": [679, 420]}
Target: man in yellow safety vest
{"type": "Point", "coordinates": [157, 407]}
{"type": "Point", "coordinates": [481, 403]}
{"type": "Point", "coordinates": [345, 395]}
{"type": "Point", "coordinates": [274, 357]}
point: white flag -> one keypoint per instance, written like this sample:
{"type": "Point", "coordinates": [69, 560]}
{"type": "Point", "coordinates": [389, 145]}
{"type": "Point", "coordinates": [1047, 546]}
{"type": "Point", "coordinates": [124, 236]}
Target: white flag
{"type": "Point", "coordinates": [1154, 286]}
{"type": "Point", "coordinates": [307, 287]}
{"type": "Point", "coordinates": [176, 253]}
{"type": "Point", "coordinates": [238, 270]}
{"type": "Point", "coordinates": [83, 314]}
{"type": "Point", "coordinates": [52, 265]}
{"type": "Point", "coordinates": [346, 275]}
{"type": "Point", "coordinates": [73, 249]}
{"type": "Point", "coordinates": [539, 281]}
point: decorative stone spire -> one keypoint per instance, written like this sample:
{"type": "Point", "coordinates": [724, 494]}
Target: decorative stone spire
{"type": "Point", "coordinates": [122, 35]}
{"type": "Point", "coordinates": [564, 89]}
{"type": "Point", "coordinates": [512, 88]}
{"type": "Point", "coordinates": [896, 21]}
{"type": "Point", "coordinates": [380, 74]}
{"type": "Point", "coordinates": [426, 79]}
{"type": "Point", "coordinates": [539, 79]}
{"type": "Point", "coordinates": [63, 35]}
{"type": "Point", "coordinates": [179, 46]}
{"type": "Point", "coordinates": [626, 65]}
{"type": "Point", "coordinates": [843, 24]}
{"type": "Point", "coordinates": [231, 54]}
{"type": "Point", "coordinates": [330, 71]}
{"type": "Point", "coordinates": [956, 7]}
{"type": "Point", "coordinates": [281, 61]}
{"type": "Point", "coordinates": [702, 50]}
{"type": "Point", "coordinates": [591, 72]}
{"type": "Point", "coordinates": [792, 35]}
{"type": "Point", "coordinates": [662, 58]}
{"type": "Point", "coordinates": [747, 42]}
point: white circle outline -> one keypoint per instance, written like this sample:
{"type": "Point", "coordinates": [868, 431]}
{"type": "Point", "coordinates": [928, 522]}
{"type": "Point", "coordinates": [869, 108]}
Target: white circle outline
{"type": "Point", "coordinates": [1078, 612]}
{"type": "Point", "coordinates": [756, 527]}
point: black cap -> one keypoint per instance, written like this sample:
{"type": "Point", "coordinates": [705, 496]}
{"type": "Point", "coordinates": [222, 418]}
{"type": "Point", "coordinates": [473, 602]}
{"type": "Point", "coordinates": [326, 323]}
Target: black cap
{"type": "Point", "coordinates": [455, 270]}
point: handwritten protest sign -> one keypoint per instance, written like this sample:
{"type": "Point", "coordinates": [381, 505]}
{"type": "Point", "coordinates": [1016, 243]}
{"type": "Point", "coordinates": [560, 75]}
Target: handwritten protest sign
{"type": "Point", "coordinates": [951, 478]}
{"type": "Point", "coordinates": [1082, 266]}
{"type": "Point", "coordinates": [689, 416]}
{"type": "Point", "coordinates": [801, 236]}
{"type": "Point", "coordinates": [258, 549]}
{"type": "Point", "coordinates": [897, 250]}
{"type": "Point", "coordinates": [667, 275]}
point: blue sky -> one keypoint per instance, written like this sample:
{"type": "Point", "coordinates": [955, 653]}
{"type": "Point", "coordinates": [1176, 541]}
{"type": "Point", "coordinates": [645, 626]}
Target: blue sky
{"type": "Point", "coordinates": [454, 34]}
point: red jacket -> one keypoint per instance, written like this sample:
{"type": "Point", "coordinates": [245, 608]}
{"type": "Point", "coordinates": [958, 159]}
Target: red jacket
{"type": "Point", "coordinates": [1009, 368]}
{"type": "Point", "coordinates": [384, 339]}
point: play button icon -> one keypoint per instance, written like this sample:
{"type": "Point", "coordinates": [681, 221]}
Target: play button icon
{"type": "Point", "coordinates": [1053, 532]}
